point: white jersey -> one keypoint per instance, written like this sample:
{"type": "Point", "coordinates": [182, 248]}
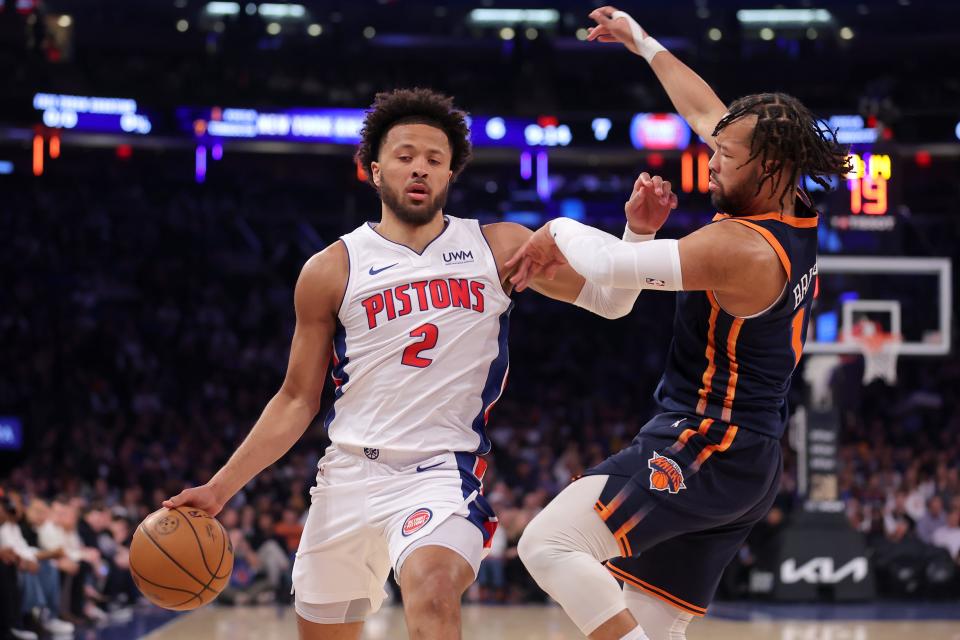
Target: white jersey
{"type": "Point", "coordinates": [420, 351]}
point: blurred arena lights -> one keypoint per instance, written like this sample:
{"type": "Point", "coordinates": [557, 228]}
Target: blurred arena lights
{"type": "Point", "coordinates": [222, 8]}
{"type": "Point", "coordinates": [601, 128]}
{"type": "Point", "coordinates": [38, 155]}
{"type": "Point", "coordinates": [498, 17]}
{"type": "Point", "coordinates": [6, 167]}
{"type": "Point", "coordinates": [783, 17]}
{"type": "Point", "coordinates": [280, 11]}
{"type": "Point", "coordinates": [526, 165]}
{"type": "Point", "coordinates": [543, 176]}
{"type": "Point", "coordinates": [201, 163]}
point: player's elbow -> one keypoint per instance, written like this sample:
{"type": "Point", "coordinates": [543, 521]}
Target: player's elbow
{"type": "Point", "coordinates": [300, 399]}
{"type": "Point", "coordinates": [613, 313]}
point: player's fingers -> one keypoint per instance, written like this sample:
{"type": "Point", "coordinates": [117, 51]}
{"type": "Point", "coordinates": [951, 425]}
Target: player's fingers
{"type": "Point", "coordinates": [658, 185]}
{"type": "Point", "coordinates": [175, 501]}
{"type": "Point", "coordinates": [602, 15]}
{"type": "Point", "coordinates": [673, 201]}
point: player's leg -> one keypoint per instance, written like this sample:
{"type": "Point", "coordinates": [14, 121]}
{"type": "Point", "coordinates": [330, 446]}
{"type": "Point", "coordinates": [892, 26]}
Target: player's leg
{"type": "Point", "coordinates": [342, 563]}
{"type": "Point", "coordinates": [332, 621]}
{"type": "Point", "coordinates": [563, 548]}
{"type": "Point", "coordinates": [660, 620]}
{"type": "Point", "coordinates": [434, 572]}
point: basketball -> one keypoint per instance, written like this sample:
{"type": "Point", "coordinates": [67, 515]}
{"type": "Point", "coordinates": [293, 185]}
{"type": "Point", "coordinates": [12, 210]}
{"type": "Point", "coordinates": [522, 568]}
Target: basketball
{"type": "Point", "coordinates": [181, 558]}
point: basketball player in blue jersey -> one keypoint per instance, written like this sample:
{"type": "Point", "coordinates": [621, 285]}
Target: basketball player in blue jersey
{"type": "Point", "coordinates": [416, 310]}
{"type": "Point", "coordinates": [668, 513]}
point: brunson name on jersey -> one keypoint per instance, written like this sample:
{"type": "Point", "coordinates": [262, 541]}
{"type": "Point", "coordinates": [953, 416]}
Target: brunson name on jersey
{"type": "Point", "coordinates": [421, 296]}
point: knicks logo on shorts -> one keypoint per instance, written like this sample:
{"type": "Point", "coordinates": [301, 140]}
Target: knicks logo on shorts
{"type": "Point", "coordinates": [665, 474]}
{"type": "Point", "coordinates": [416, 521]}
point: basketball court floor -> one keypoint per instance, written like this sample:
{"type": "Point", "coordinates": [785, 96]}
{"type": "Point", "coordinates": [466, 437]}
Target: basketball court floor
{"type": "Point", "coordinates": [546, 623]}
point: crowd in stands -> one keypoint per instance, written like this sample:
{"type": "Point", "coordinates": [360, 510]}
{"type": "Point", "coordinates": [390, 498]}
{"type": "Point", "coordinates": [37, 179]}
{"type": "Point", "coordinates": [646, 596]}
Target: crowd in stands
{"type": "Point", "coordinates": [143, 332]}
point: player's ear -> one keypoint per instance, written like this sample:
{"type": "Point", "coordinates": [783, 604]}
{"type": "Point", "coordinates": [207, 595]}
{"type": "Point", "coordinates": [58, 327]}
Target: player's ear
{"type": "Point", "coordinates": [375, 173]}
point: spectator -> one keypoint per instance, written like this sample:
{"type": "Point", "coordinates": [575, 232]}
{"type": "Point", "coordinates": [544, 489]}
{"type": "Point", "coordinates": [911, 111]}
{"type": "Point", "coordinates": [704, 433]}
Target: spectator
{"type": "Point", "coordinates": [933, 519]}
{"type": "Point", "coordinates": [948, 536]}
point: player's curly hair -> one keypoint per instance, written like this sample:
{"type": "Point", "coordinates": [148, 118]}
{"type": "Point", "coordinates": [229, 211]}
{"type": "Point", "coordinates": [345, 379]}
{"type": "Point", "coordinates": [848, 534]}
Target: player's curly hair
{"type": "Point", "coordinates": [788, 134]}
{"type": "Point", "coordinates": [414, 106]}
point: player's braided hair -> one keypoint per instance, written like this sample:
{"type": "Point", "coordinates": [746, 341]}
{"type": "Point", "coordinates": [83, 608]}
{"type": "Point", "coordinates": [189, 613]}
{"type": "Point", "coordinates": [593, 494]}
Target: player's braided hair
{"type": "Point", "coordinates": [788, 135]}
{"type": "Point", "coordinates": [414, 106]}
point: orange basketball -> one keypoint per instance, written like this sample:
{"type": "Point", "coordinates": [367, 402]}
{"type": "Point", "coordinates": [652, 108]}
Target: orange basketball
{"type": "Point", "coordinates": [659, 480]}
{"type": "Point", "coordinates": [181, 558]}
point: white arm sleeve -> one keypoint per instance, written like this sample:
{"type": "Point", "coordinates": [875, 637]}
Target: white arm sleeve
{"type": "Point", "coordinates": [608, 261]}
{"type": "Point", "coordinates": [610, 302]}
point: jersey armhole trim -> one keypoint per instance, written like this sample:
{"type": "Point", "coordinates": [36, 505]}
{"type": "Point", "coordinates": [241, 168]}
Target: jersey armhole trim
{"type": "Point", "coordinates": [346, 287]}
{"type": "Point", "coordinates": [772, 241]}
{"type": "Point", "coordinates": [493, 256]}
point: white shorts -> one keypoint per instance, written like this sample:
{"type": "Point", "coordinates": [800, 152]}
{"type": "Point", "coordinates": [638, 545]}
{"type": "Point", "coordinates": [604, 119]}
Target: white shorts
{"type": "Point", "coordinates": [369, 507]}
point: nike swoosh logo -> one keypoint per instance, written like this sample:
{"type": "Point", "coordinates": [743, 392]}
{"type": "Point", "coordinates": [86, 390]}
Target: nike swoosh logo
{"type": "Point", "coordinates": [374, 272]}
{"type": "Point", "coordinates": [419, 468]}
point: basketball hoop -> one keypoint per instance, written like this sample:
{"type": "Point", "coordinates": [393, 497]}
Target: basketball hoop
{"type": "Point", "coordinates": [880, 352]}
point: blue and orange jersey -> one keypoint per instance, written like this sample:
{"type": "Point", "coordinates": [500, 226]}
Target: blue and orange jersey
{"type": "Point", "coordinates": [738, 369]}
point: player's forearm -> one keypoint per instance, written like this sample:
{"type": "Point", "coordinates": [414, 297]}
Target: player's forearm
{"type": "Point", "coordinates": [610, 302]}
{"type": "Point", "coordinates": [691, 96]}
{"type": "Point", "coordinates": [608, 261]}
{"type": "Point", "coordinates": [282, 423]}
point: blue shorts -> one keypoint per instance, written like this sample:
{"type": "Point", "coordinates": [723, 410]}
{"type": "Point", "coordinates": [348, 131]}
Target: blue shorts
{"type": "Point", "coordinates": [681, 500]}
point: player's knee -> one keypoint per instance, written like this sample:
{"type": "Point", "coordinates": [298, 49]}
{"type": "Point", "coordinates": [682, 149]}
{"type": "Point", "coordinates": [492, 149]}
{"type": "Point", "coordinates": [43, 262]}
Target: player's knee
{"type": "Point", "coordinates": [533, 547]}
{"type": "Point", "coordinates": [438, 596]}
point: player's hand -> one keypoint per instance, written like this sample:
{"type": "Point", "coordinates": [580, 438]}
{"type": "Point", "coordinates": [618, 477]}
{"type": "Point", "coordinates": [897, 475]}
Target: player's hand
{"type": "Point", "coordinates": [539, 256]}
{"type": "Point", "coordinates": [650, 204]}
{"type": "Point", "coordinates": [202, 497]}
{"type": "Point", "coordinates": [9, 556]}
{"type": "Point", "coordinates": [610, 30]}
{"type": "Point", "coordinates": [30, 566]}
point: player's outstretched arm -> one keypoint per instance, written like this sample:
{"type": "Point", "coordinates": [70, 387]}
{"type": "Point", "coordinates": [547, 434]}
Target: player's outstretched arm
{"type": "Point", "coordinates": [317, 299]}
{"type": "Point", "coordinates": [547, 271]}
{"type": "Point", "coordinates": [693, 98]}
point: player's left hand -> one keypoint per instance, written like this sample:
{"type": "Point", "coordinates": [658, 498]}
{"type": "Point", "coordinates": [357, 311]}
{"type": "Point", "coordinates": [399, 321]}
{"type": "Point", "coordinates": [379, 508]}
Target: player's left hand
{"type": "Point", "coordinates": [539, 256]}
{"type": "Point", "coordinates": [650, 204]}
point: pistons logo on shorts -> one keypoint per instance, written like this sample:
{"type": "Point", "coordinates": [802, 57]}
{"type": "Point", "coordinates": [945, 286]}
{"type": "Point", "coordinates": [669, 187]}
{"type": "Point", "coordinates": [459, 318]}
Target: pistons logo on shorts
{"type": "Point", "coordinates": [665, 474]}
{"type": "Point", "coordinates": [416, 521]}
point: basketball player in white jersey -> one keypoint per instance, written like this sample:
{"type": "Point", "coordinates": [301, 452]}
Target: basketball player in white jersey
{"type": "Point", "coordinates": [416, 308]}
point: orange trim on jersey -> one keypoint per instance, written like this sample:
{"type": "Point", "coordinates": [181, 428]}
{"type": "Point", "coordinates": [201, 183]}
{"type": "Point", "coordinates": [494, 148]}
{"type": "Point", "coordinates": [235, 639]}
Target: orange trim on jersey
{"type": "Point", "coordinates": [798, 335]}
{"type": "Point", "coordinates": [710, 354]}
{"type": "Point", "coordinates": [711, 448]}
{"type": "Point", "coordinates": [734, 369]}
{"type": "Point", "coordinates": [614, 504]}
{"type": "Point", "coordinates": [793, 221]}
{"type": "Point", "coordinates": [771, 240]}
{"type": "Point", "coordinates": [656, 591]}
{"type": "Point", "coordinates": [689, 433]}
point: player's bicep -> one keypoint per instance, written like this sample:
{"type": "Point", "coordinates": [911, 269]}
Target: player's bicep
{"type": "Point", "coordinates": [506, 238]}
{"type": "Point", "coordinates": [725, 257]}
{"type": "Point", "coordinates": [316, 301]}
{"type": "Point", "coordinates": [706, 259]}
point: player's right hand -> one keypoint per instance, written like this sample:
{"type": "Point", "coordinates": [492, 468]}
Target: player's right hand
{"type": "Point", "coordinates": [650, 204]}
{"type": "Point", "coordinates": [612, 30]}
{"type": "Point", "coordinates": [202, 497]}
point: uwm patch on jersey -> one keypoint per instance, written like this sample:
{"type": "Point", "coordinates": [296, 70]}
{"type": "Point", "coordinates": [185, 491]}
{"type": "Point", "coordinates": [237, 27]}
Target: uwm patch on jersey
{"type": "Point", "coordinates": [420, 352]}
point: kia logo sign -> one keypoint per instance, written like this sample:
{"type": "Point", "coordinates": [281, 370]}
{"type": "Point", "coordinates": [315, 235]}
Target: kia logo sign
{"type": "Point", "coordinates": [823, 571]}
{"type": "Point", "coordinates": [659, 131]}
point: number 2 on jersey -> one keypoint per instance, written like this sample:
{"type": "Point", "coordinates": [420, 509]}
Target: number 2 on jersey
{"type": "Point", "coordinates": [411, 355]}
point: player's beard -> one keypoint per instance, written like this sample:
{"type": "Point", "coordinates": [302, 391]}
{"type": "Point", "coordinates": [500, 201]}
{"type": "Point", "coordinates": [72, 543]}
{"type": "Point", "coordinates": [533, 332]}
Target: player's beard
{"type": "Point", "coordinates": [415, 215]}
{"type": "Point", "coordinates": [736, 201]}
